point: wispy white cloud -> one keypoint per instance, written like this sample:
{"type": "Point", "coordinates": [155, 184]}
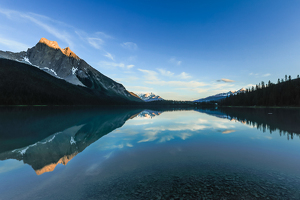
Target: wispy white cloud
{"type": "Point", "coordinates": [188, 84]}
{"type": "Point", "coordinates": [259, 75]}
{"type": "Point", "coordinates": [115, 64]}
{"type": "Point", "coordinates": [216, 86]}
{"type": "Point", "coordinates": [102, 34]}
{"type": "Point", "coordinates": [184, 75]}
{"type": "Point", "coordinates": [95, 42]}
{"type": "Point", "coordinates": [175, 61]}
{"type": "Point", "coordinates": [226, 80]}
{"type": "Point", "coordinates": [198, 90]}
{"type": "Point", "coordinates": [129, 45]}
{"type": "Point", "coordinates": [108, 55]}
{"type": "Point", "coordinates": [41, 21]}
{"type": "Point", "coordinates": [132, 58]}
{"type": "Point", "coordinates": [149, 75]}
{"type": "Point", "coordinates": [112, 64]}
{"type": "Point", "coordinates": [13, 45]}
{"type": "Point", "coordinates": [165, 72]}
{"type": "Point", "coordinates": [130, 66]}
{"type": "Point", "coordinates": [140, 89]}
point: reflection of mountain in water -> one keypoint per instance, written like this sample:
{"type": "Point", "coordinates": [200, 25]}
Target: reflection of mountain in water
{"type": "Point", "coordinates": [149, 114]}
{"type": "Point", "coordinates": [285, 120]}
{"type": "Point", "coordinates": [62, 146]}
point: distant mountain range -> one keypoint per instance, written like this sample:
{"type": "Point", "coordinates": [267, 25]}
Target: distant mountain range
{"type": "Point", "coordinates": [69, 72]}
{"type": "Point", "coordinates": [220, 96]}
{"type": "Point", "coordinates": [149, 97]}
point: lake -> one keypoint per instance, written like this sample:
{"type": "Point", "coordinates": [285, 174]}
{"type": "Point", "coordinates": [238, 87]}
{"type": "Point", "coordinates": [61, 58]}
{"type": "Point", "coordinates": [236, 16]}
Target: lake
{"type": "Point", "coordinates": [157, 153]}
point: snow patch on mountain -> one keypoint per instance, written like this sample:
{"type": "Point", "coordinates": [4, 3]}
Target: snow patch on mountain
{"type": "Point", "coordinates": [26, 59]}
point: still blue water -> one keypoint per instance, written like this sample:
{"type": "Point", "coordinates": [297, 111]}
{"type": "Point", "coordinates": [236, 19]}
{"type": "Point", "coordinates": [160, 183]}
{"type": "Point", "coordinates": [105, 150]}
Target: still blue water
{"type": "Point", "coordinates": [150, 154]}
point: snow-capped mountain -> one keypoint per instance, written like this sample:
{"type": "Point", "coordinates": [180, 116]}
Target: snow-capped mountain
{"type": "Point", "coordinates": [149, 97]}
{"type": "Point", "coordinates": [220, 96]}
{"type": "Point", "coordinates": [65, 64]}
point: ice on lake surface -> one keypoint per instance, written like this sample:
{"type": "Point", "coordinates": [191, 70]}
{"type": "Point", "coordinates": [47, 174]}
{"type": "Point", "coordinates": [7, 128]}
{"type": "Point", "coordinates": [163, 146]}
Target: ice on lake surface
{"type": "Point", "coordinates": [157, 153]}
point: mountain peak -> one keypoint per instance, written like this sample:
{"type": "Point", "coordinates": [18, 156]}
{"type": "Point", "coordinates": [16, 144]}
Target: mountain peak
{"type": "Point", "coordinates": [68, 52]}
{"type": "Point", "coordinates": [53, 44]}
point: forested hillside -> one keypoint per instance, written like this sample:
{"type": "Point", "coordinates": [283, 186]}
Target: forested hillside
{"type": "Point", "coordinates": [286, 92]}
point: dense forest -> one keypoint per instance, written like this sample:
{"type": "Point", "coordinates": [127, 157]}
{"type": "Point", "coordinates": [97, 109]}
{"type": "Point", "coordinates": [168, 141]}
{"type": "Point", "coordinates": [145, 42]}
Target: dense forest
{"type": "Point", "coordinates": [286, 92]}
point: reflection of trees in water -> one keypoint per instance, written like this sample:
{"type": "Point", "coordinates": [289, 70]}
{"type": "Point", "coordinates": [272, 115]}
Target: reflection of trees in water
{"type": "Point", "coordinates": [286, 121]}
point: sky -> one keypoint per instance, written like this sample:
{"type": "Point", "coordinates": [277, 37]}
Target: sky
{"type": "Point", "coordinates": [180, 50]}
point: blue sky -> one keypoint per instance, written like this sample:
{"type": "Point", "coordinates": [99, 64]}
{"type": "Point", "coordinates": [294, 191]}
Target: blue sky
{"type": "Point", "coordinates": [182, 50]}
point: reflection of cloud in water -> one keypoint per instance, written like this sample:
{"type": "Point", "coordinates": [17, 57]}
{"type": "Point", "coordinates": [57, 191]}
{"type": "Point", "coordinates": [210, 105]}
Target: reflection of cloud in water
{"type": "Point", "coordinates": [129, 145]}
{"type": "Point", "coordinates": [185, 135]}
{"type": "Point", "coordinates": [202, 121]}
{"type": "Point", "coordinates": [140, 122]}
{"type": "Point", "coordinates": [94, 169]}
{"type": "Point", "coordinates": [228, 131]}
{"type": "Point", "coordinates": [149, 136]}
{"type": "Point", "coordinates": [178, 127]}
{"type": "Point", "coordinates": [170, 126]}
{"type": "Point", "coordinates": [223, 126]}
{"type": "Point", "coordinates": [166, 138]}
{"type": "Point", "coordinates": [10, 165]}
{"type": "Point", "coordinates": [108, 155]}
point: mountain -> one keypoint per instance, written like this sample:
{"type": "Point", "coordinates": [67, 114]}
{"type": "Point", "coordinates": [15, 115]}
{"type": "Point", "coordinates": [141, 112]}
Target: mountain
{"type": "Point", "coordinates": [220, 96]}
{"type": "Point", "coordinates": [64, 64]}
{"type": "Point", "coordinates": [150, 97]}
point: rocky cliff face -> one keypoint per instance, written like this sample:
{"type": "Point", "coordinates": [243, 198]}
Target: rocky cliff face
{"type": "Point", "coordinates": [65, 64]}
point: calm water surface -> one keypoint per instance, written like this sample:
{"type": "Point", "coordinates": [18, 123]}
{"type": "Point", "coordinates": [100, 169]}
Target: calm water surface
{"type": "Point", "coordinates": [55, 153]}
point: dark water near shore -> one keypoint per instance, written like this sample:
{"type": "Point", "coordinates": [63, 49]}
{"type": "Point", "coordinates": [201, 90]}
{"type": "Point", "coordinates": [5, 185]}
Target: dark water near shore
{"type": "Point", "coordinates": [118, 153]}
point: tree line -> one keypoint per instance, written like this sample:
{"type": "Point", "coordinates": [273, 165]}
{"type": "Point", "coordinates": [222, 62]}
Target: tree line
{"type": "Point", "coordinates": [286, 92]}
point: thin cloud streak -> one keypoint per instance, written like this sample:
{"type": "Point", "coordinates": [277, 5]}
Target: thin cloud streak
{"type": "Point", "coordinates": [165, 72]}
{"type": "Point", "coordinates": [108, 55]}
{"type": "Point", "coordinates": [175, 61]}
{"type": "Point", "coordinates": [95, 42]}
{"type": "Point", "coordinates": [129, 45]}
{"type": "Point", "coordinates": [184, 75]}
{"type": "Point", "coordinates": [265, 75]}
{"type": "Point", "coordinates": [13, 45]}
{"type": "Point", "coordinates": [189, 84]}
{"type": "Point", "coordinates": [225, 80]}
{"type": "Point", "coordinates": [37, 20]}
{"type": "Point", "coordinates": [149, 75]}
